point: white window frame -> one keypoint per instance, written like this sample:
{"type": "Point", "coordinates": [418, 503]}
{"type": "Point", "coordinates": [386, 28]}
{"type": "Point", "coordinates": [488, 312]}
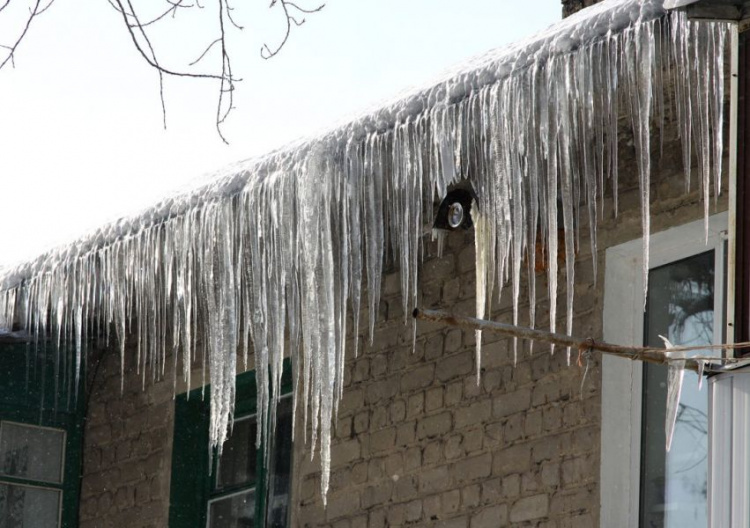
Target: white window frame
{"type": "Point", "coordinates": [729, 448]}
{"type": "Point", "coordinates": [622, 379]}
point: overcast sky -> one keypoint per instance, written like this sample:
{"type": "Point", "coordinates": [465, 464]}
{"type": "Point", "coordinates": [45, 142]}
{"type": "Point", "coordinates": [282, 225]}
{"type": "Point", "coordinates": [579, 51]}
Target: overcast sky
{"type": "Point", "coordinates": [81, 135]}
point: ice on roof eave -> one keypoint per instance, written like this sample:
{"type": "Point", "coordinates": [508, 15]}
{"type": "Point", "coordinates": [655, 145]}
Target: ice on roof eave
{"type": "Point", "coordinates": [582, 28]}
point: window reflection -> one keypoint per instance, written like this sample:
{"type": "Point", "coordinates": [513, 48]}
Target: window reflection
{"type": "Point", "coordinates": [240, 471]}
{"type": "Point", "coordinates": [236, 466]}
{"type": "Point", "coordinates": [233, 511]}
{"type": "Point", "coordinates": [280, 480]}
{"type": "Point", "coordinates": [674, 486]}
{"type": "Point", "coordinates": [24, 506]}
{"type": "Point", "coordinates": [29, 452]}
{"type": "Point", "coordinates": [35, 455]}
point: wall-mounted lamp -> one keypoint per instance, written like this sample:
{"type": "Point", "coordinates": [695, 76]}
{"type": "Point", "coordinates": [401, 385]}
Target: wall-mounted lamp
{"type": "Point", "coordinates": [455, 210]}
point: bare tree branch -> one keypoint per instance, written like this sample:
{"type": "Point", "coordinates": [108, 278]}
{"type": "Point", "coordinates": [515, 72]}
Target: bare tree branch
{"type": "Point", "coordinates": [265, 51]}
{"type": "Point", "coordinates": [301, 10]}
{"type": "Point", "coordinates": [42, 10]}
{"type": "Point", "coordinates": [153, 62]}
{"type": "Point", "coordinates": [654, 355]}
{"type": "Point", "coordinates": [138, 28]}
{"type": "Point", "coordinates": [36, 11]}
{"type": "Point", "coordinates": [229, 17]}
{"type": "Point", "coordinates": [227, 82]}
{"type": "Point", "coordinates": [12, 59]}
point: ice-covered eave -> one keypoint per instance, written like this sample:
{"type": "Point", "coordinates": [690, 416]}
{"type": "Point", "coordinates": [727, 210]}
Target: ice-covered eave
{"type": "Point", "coordinates": [581, 29]}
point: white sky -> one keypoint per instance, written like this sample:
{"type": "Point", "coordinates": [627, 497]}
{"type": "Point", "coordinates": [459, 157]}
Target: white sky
{"type": "Point", "coordinates": [81, 135]}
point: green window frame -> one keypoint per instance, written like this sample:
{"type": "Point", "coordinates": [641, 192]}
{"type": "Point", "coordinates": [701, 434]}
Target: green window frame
{"type": "Point", "coordinates": [194, 487]}
{"type": "Point", "coordinates": [37, 394]}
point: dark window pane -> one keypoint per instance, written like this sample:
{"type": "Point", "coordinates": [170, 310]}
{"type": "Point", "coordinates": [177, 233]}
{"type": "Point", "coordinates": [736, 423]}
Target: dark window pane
{"type": "Point", "coordinates": [680, 307]}
{"type": "Point", "coordinates": [234, 511]}
{"type": "Point", "coordinates": [280, 471]}
{"type": "Point", "coordinates": [29, 507]}
{"type": "Point", "coordinates": [237, 463]}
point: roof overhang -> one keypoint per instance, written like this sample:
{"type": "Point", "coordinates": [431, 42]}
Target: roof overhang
{"type": "Point", "coordinates": [13, 338]}
{"type": "Point", "coordinates": [736, 10]}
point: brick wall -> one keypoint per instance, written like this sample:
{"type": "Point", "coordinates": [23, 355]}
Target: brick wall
{"type": "Point", "coordinates": [127, 454]}
{"type": "Point", "coordinates": [426, 445]}
{"type": "Point", "coordinates": [418, 442]}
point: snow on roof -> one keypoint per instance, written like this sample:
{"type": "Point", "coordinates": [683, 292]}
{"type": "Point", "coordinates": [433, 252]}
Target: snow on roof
{"type": "Point", "coordinates": [599, 20]}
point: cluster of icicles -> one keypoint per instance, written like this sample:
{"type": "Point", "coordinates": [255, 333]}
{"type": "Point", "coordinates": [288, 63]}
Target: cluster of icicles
{"type": "Point", "coordinates": [274, 267]}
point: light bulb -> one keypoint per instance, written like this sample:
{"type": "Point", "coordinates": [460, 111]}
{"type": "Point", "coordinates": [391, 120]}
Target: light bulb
{"type": "Point", "coordinates": [455, 215]}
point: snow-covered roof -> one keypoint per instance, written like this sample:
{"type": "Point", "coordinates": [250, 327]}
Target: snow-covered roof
{"type": "Point", "coordinates": [605, 18]}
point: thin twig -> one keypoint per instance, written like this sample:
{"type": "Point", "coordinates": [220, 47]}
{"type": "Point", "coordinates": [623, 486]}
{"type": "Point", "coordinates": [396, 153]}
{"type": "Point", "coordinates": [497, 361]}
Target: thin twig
{"type": "Point", "coordinates": [42, 10]}
{"type": "Point", "coordinates": [32, 15]}
{"type": "Point", "coordinates": [171, 10]}
{"type": "Point", "coordinates": [306, 11]}
{"type": "Point", "coordinates": [229, 17]}
{"type": "Point", "coordinates": [266, 51]}
{"type": "Point", "coordinates": [208, 48]}
{"type": "Point", "coordinates": [153, 55]}
{"type": "Point", "coordinates": [12, 58]}
{"type": "Point", "coordinates": [174, 5]}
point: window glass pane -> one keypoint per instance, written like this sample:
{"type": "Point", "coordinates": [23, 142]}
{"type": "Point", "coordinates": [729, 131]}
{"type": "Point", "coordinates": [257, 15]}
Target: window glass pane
{"type": "Point", "coordinates": [234, 511]}
{"type": "Point", "coordinates": [674, 486]}
{"type": "Point", "coordinates": [30, 452]}
{"type": "Point", "coordinates": [29, 507]}
{"type": "Point", "coordinates": [280, 471]}
{"type": "Point", "coordinates": [237, 463]}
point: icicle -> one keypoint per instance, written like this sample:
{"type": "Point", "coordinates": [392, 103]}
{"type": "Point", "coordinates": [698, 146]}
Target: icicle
{"type": "Point", "coordinates": [568, 200]}
{"type": "Point", "coordinates": [549, 140]}
{"type": "Point", "coordinates": [482, 247]}
{"type": "Point", "coordinates": [674, 388]}
{"type": "Point", "coordinates": [439, 235]}
{"type": "Point", "coordinates": [639, 59]}
{"type": "Point", "coordinates": [374, 157]}
{"type": "Point", "coordinates": [517, 197]}
{"type": "Point", "coordinates": [219, 283]}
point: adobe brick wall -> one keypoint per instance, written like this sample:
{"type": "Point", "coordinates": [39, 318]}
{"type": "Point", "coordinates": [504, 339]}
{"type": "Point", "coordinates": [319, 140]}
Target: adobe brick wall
{"type": "Point", "coordinates": [127, 454]}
